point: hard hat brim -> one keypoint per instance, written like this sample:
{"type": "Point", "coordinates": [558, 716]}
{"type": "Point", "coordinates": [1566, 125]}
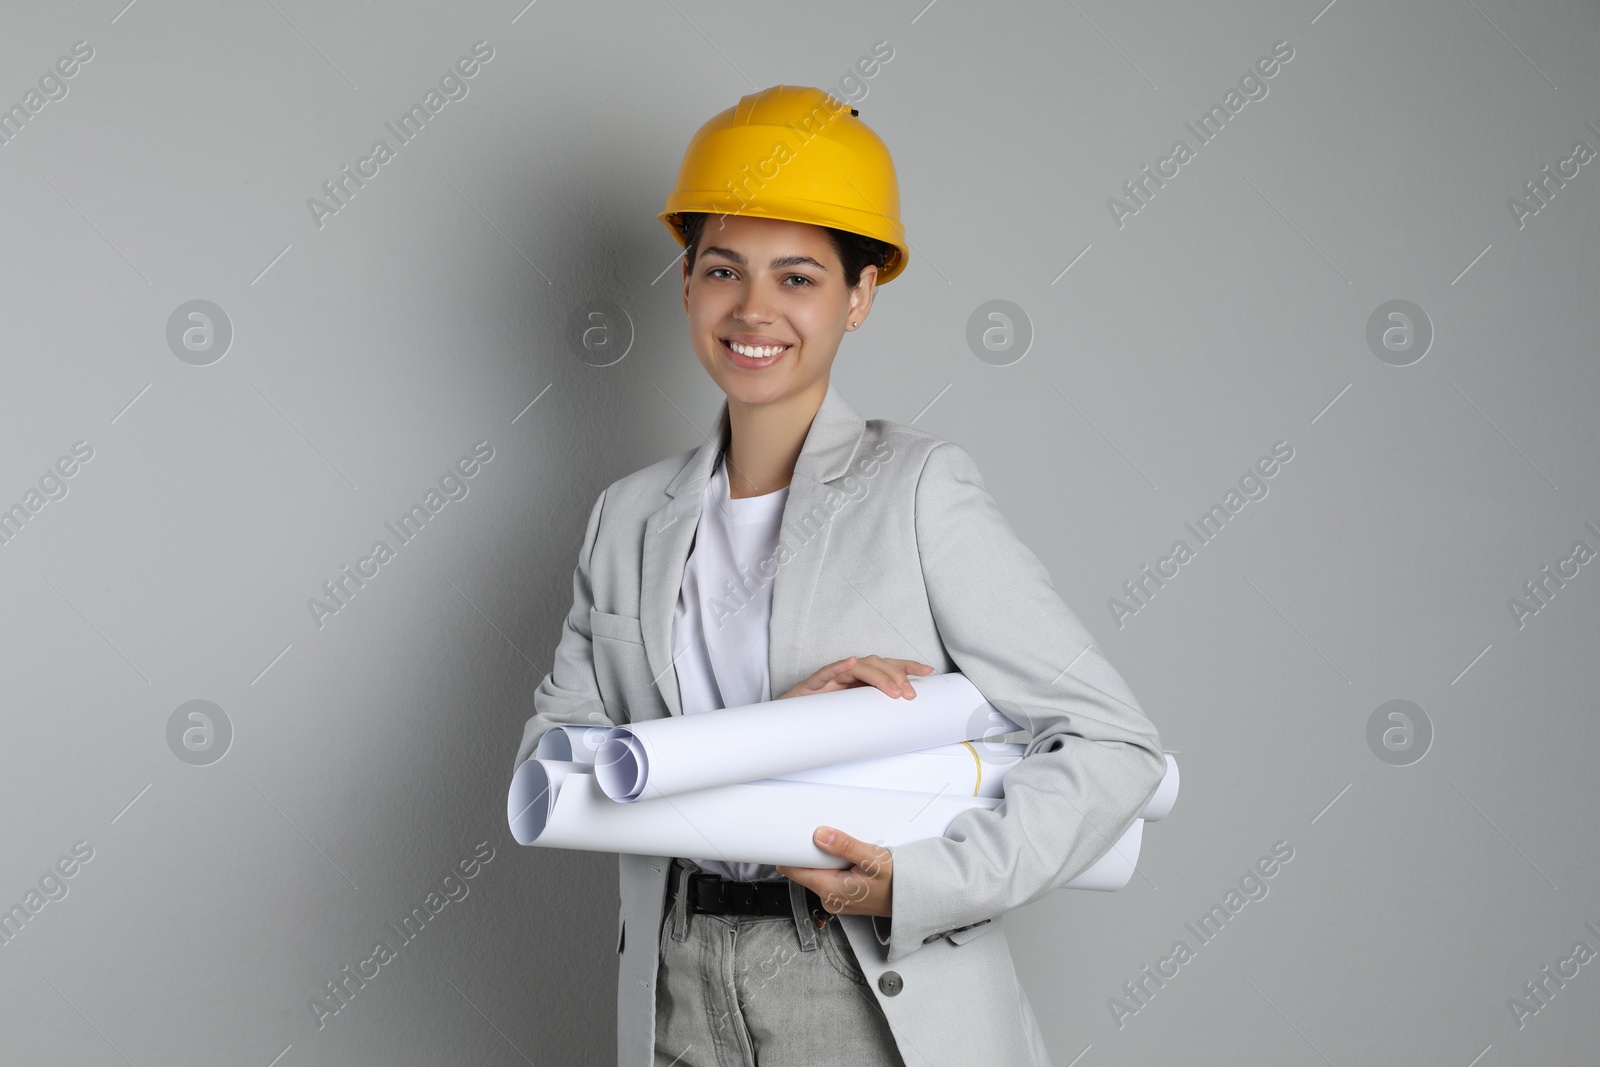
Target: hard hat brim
{"type": "Point", "coordinates": [797, 211]}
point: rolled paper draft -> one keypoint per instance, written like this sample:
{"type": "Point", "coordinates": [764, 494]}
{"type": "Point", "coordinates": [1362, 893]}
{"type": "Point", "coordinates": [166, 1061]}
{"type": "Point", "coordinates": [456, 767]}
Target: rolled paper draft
{"type": "Point", "coordinates": [961, 769]}
{"type": "Point", "coordinates": [560, 805]}
{"type": "Point", "coordinates": [1166, 794]}
{"type": "Point", "coordinates": [571, 744]}
{"type": "Point", "coordinates": [739, 822]}
{"type": "Point", "coordinates": [685, 753]}
{"type": "Point", "coordinates": [965, 767]}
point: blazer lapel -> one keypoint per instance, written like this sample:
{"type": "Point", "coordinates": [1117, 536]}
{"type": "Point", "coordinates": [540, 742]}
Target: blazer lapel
{"type": "Point", "coordinates": [829, 447]}
{"type": "Point", "coordinates": [667, 535]}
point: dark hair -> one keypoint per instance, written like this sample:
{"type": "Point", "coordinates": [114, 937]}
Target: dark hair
{"type": "Point", "coordinates": [854, 250]}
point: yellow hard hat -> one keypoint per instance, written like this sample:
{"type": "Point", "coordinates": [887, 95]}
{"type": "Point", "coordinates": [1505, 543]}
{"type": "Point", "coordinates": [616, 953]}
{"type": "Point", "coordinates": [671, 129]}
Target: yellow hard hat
{"type": "Point", "coordinates": [797, 154]}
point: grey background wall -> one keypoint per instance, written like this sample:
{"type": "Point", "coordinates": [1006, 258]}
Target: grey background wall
{"type": "Point", "coordinates": [1441, 454]}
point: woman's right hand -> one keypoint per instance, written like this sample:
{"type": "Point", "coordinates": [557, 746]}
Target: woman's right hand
{"type": "Point", "coordinates": [889, 675]}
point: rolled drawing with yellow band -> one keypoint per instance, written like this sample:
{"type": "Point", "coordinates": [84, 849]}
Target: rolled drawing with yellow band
{"type": "Point", "coordinates": [681, 753]}
{"type": "Point", "coordinates": [749, 784]}
{"type": "Point", "coordinates": [955, 768]}
{"type": "Point", "coordinates": [558, 804]}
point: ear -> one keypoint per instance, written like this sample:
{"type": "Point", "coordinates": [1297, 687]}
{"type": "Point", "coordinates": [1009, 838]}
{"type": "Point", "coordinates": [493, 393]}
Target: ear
{"type": "Point", "coordinates": [861, 296]}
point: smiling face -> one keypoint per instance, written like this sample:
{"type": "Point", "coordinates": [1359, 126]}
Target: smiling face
{"type": "Point", "coordinates": [767, 305]}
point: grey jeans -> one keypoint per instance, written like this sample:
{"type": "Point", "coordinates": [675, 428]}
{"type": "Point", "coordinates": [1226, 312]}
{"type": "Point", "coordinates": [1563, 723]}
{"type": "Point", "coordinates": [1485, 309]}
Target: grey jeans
{"type": "Point", "coordinates": [743, 990]}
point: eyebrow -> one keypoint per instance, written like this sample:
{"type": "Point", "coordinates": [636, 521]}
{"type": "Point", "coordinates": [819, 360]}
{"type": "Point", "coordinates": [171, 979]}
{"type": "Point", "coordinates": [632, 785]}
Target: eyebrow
{"type": "Point", "coordinates": [777, 264]}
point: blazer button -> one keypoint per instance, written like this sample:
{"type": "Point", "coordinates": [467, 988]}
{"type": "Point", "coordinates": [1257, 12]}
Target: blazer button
{"type": "Point", "coordinates": [890, 983]}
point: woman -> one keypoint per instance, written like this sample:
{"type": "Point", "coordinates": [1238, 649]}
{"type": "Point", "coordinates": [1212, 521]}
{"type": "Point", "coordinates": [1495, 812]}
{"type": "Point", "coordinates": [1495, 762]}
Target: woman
{"type": "Point", "coordinates": [805, 549]}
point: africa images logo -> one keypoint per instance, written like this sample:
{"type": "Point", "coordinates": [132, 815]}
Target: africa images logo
{"type": "Point", "coordinates": [54, 85]}
{"type": "Point", "coordinates": [452, 86]}
{"type": "Point", "coordinates": [1253, 486]}
{"type": "Point", "coordinates": [454, 485]}
{"type": "Point", "coordinates": [1252, 86]}
{"type": "Point", "coordinates": [342, 989]}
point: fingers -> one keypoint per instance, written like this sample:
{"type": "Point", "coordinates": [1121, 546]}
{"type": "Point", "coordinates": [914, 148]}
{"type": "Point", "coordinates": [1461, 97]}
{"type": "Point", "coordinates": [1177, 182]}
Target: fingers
{"type": "Point", "coordinates": [892, 674]}
{"type": "Point", "coordinates": [872, 859]}
{"type": "Point", "coordinates": [823, 680]}
{"type": "Point", "coordinates": [875, 671]}
{"type": "Point", "coordinates": [864, 888]}
{"type": "Point", "coordinates": [854, 670]}
{"type": "Point", "coordinates": [910, 666]}
{"type": "Point", "coordinates": [889, 675]}
{"type": "Point", "coordinates": [836, 672]}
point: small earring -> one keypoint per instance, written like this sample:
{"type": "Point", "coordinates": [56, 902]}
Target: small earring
{"type": "Point", "coordinates": [855, 324]}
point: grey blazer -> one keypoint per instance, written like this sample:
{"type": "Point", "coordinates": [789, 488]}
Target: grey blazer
{"type": "Point", "coordinates": [890, 544]}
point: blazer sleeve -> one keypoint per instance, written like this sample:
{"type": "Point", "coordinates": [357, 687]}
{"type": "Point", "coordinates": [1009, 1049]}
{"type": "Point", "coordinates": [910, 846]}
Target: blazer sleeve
{"type": "Point", "coordinates": [570, 693]}
{"type": "Point", "coordinates": [1093, 761]}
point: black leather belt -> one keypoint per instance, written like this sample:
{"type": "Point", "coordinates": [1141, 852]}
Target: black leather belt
{"type": "Point", "coordinates": [712, 894]}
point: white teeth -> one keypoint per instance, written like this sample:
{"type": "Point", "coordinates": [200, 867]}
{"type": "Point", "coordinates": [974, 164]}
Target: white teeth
{"type": "Point", "coordinates": [756, 352]}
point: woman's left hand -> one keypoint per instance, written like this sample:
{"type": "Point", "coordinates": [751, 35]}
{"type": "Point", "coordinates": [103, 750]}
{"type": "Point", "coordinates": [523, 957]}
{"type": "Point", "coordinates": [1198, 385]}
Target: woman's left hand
{"type": "Point", "coordinates": [867, 888]}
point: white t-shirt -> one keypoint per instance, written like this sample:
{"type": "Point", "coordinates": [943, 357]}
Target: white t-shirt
{"type": "Point", "coordinates": [719, 628]}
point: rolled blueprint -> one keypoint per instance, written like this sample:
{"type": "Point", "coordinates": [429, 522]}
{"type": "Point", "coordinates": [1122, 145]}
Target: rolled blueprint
{"type": "Point", "coordinates": [1166, 794]}
{"type": "Point", "coordinates": [1115, 869]}
{"type": "Point", "coordinates": [560, 805]}
{"type": "Point", "coordinates": [963, 767]}
{"type": "Point", "coordinates": [684, 753]}
{"type": "Point", "coordinates": [571, 744]}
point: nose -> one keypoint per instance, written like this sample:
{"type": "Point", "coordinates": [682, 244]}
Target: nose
{"type": "Point", "coordinates": [755, 305]}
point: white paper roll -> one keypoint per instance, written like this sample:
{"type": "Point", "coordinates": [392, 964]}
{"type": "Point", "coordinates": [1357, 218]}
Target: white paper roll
{"type": "Point", "coordinates": [558, 799]}
{"type": "Point", "coordinates": [967, 768]}
{"type": "Point", "coordinates": [560, 805]}
{"type": "Point", "coordinates": [1166, 795]}
{"type": "Point", "coordinates": [571, 744]}
{"type": "Point", "coordinates": [961, 769]}
{"type": "Point", "coordinates": [556, 804]}
{"type": "Point", "coordinates": [684, 753]}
